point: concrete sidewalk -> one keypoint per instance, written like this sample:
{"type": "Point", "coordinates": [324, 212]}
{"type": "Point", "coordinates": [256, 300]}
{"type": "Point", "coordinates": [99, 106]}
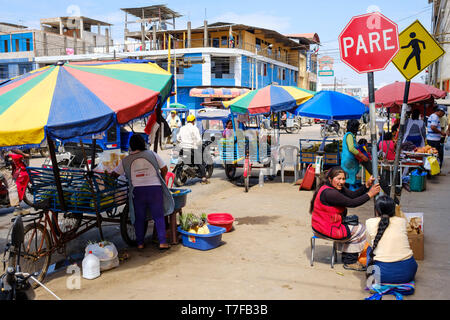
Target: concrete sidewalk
{"type": "Point", "coordinates": [432, 277]}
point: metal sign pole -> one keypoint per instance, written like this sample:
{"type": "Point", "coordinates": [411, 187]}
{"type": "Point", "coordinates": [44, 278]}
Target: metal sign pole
{"type": "Point", "coordinates": [51, 149]}
{"type": "Point", "coordinates": [401, 130]}
{"type": "Point", "coordinates": [373, 127]}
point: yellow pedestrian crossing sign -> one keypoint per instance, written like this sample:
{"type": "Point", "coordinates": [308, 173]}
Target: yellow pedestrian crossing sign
{"type": "Point", "coordinates": [418, 49]}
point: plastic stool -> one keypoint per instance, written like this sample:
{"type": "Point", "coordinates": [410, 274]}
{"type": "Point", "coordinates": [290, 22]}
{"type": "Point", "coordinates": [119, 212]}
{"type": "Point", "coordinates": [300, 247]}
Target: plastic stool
{"type": "Point", "coordinates": [170, 177]}
{"type": "Point", "coordinates": [333, 251]}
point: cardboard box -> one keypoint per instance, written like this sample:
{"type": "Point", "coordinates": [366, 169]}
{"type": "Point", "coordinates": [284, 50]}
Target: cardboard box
{"type": "Point", "coordinates": [416, 242]}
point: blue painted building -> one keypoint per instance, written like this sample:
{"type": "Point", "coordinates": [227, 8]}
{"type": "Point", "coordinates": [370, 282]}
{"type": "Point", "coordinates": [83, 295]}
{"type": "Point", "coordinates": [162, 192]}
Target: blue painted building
{"type": "Point", "coordinates": [19, 46]}
{"type": "Point", "coordinates": [16, 50]}
{"type": "Point", "coordinates": [224, 55]}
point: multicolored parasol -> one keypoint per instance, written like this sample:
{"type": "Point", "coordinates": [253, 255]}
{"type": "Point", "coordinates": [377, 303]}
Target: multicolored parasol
{"type": "Point", "coordinates": [217, 92]}
{"type": "Point", "coordinates": [77, 99]}
{"type": "Point", "coordinates": [271, 98]}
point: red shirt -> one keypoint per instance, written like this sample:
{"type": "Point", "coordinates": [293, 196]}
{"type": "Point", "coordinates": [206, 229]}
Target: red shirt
{"type": "Point", "coordinates": [388, 148]}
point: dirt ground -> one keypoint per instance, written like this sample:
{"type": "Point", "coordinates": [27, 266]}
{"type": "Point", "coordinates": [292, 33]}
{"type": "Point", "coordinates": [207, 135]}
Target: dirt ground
{"type": "Point", "coordinates": [265, 256]}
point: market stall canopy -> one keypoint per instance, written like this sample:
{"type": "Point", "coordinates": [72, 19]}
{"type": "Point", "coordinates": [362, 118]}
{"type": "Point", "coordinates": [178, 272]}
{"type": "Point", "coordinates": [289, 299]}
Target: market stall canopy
{"type": "Point", "coordinates": [177, 106]}
{"type": "Point", "coordinates": [211, 113]}
{"type": "Point", "coordinates": [66, 101]}
{"type": "Point", "coordinates": [332, 105]}
{"type": "Point", "coordinates": [271, 98]}
{"type": "Point", "coordinates": [391, 95]}
{"type": "Point", "coordinates": [211, 92]}
{"type": "Point", "coordinates": [445, 102]}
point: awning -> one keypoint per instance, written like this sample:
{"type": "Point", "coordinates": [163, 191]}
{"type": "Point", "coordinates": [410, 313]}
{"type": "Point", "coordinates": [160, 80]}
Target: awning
{"type": "Point", "coordinates": [210, 92]}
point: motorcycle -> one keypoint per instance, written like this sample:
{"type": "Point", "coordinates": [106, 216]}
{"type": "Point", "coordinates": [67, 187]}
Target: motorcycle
{"type": "Point", "coordinates": [22, 179]}
{"type": "Point", "coordinates": [15, 284]}
{"type": "Point", "coordinates": [184, 170]}
{"type": "Point", "coordinates": [330, 129]}
{"type": "Point", "coordinates": [291, 125]}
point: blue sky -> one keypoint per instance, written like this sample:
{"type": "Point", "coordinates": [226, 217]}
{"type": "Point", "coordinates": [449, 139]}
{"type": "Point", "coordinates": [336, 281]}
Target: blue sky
{"type": "Point", "coordinates": [325, 17]}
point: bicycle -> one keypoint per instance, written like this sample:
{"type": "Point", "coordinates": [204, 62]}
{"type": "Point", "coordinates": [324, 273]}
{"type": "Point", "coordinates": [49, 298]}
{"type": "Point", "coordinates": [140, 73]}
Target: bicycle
{"type": "Point", "coordinates": [39, 244]}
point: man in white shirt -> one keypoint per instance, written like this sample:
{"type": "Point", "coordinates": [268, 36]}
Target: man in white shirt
{"type": "Point", "coordinates": [191, 143]}
{"type": "Point", "coordinates": [174, 122]}
{"type": "Point", "coordinates": [435, 131]}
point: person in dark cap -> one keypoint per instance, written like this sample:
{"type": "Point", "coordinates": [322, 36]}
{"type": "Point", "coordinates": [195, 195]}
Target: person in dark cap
{"type": "Point", "coordinates": [435, 132]}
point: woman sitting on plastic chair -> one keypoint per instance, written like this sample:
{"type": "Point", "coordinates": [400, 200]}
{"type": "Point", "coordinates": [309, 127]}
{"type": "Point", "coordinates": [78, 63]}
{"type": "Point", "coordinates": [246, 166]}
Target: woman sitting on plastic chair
{"type": "Point", "coordinates": [329, 208]}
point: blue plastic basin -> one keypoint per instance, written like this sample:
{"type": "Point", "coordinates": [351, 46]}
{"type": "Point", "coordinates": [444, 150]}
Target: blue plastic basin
{"type": "Point", "coordinates": [202, 241]}
{"type": "Point", "coordinates": [180, 198]}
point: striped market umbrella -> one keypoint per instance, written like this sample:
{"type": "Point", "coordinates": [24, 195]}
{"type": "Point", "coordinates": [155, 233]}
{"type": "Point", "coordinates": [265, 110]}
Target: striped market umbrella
{"type": "Point", "coordinates": [217, 92]}
{"type": "Point", "coordinates": [271, 98]}
{"type": "Point", "coordinates": [70, 100]}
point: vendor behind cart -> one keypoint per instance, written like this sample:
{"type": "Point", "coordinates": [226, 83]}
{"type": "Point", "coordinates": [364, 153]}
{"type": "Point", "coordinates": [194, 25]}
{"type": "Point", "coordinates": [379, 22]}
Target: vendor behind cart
{"type": "Point", "coordinates": [351, 156]}
{"type": "Point", "coordinates": [148, 193]}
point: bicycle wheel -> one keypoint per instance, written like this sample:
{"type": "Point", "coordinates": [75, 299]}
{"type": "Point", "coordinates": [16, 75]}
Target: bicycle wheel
{"type": "Point", "coordinates": [127, 230]}
{"type": "Point", "coordinates": [35, 254]}
{"type": "Point", "coordinates": [230, 171]}
{"type": "Point", "coordinates": [180, 176]}
{"type": "Point", "coordinates": [28, 196]}
{"type": "Point", "coordinates": [209, 170]}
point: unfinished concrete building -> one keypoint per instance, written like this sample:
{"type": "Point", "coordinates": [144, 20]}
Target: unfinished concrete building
{"type": "Point", "coordinates": [61, 36]}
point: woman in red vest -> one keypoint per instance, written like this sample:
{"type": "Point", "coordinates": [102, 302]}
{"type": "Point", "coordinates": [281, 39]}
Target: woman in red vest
{"type": "Point", "coordinates": [329, 207]}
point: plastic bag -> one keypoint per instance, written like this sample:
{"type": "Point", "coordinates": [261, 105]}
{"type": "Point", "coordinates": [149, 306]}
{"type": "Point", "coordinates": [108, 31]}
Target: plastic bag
{"type": "Point", "coordinates": [431, 164]}
{"type": "Point", "coordinates": [447, 144]}
{"type": "Point", "coordinates": [106, 252]}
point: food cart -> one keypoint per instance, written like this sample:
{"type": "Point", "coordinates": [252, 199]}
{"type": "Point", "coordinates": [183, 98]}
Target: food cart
{"type": "Point", "coordinates": [254, 143]}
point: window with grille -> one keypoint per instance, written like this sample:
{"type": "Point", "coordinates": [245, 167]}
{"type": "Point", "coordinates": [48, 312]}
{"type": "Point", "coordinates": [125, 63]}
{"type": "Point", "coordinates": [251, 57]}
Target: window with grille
{"type": "Point", "coordinates": [221, 68]}
{"type": "Point", "coordinates": [4, 71]}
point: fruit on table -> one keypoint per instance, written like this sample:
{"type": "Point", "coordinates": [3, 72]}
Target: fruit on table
{"type": "Point", "coordinates": [426, 149]}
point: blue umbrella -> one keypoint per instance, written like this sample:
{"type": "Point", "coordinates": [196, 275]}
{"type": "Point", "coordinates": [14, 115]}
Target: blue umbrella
{"type": "Point", "coordinates": [332, 105]}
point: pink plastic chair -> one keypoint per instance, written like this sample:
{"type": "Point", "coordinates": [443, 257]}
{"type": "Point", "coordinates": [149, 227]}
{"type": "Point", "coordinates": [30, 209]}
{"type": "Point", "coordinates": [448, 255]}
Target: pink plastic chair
{"type": "Point", "coordinates": [170, 176]}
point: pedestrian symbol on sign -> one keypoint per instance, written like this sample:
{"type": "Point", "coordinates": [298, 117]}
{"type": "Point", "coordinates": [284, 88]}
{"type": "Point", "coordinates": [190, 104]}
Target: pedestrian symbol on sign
{"type": "Point", "coordinates": [415, 44]}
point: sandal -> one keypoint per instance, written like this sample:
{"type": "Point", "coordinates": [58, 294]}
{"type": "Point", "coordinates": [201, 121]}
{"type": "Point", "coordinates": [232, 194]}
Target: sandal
{"type": "Point", "coordinates": [164, 248]}
{"type": "Point", "coordinates": [355, 266]}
